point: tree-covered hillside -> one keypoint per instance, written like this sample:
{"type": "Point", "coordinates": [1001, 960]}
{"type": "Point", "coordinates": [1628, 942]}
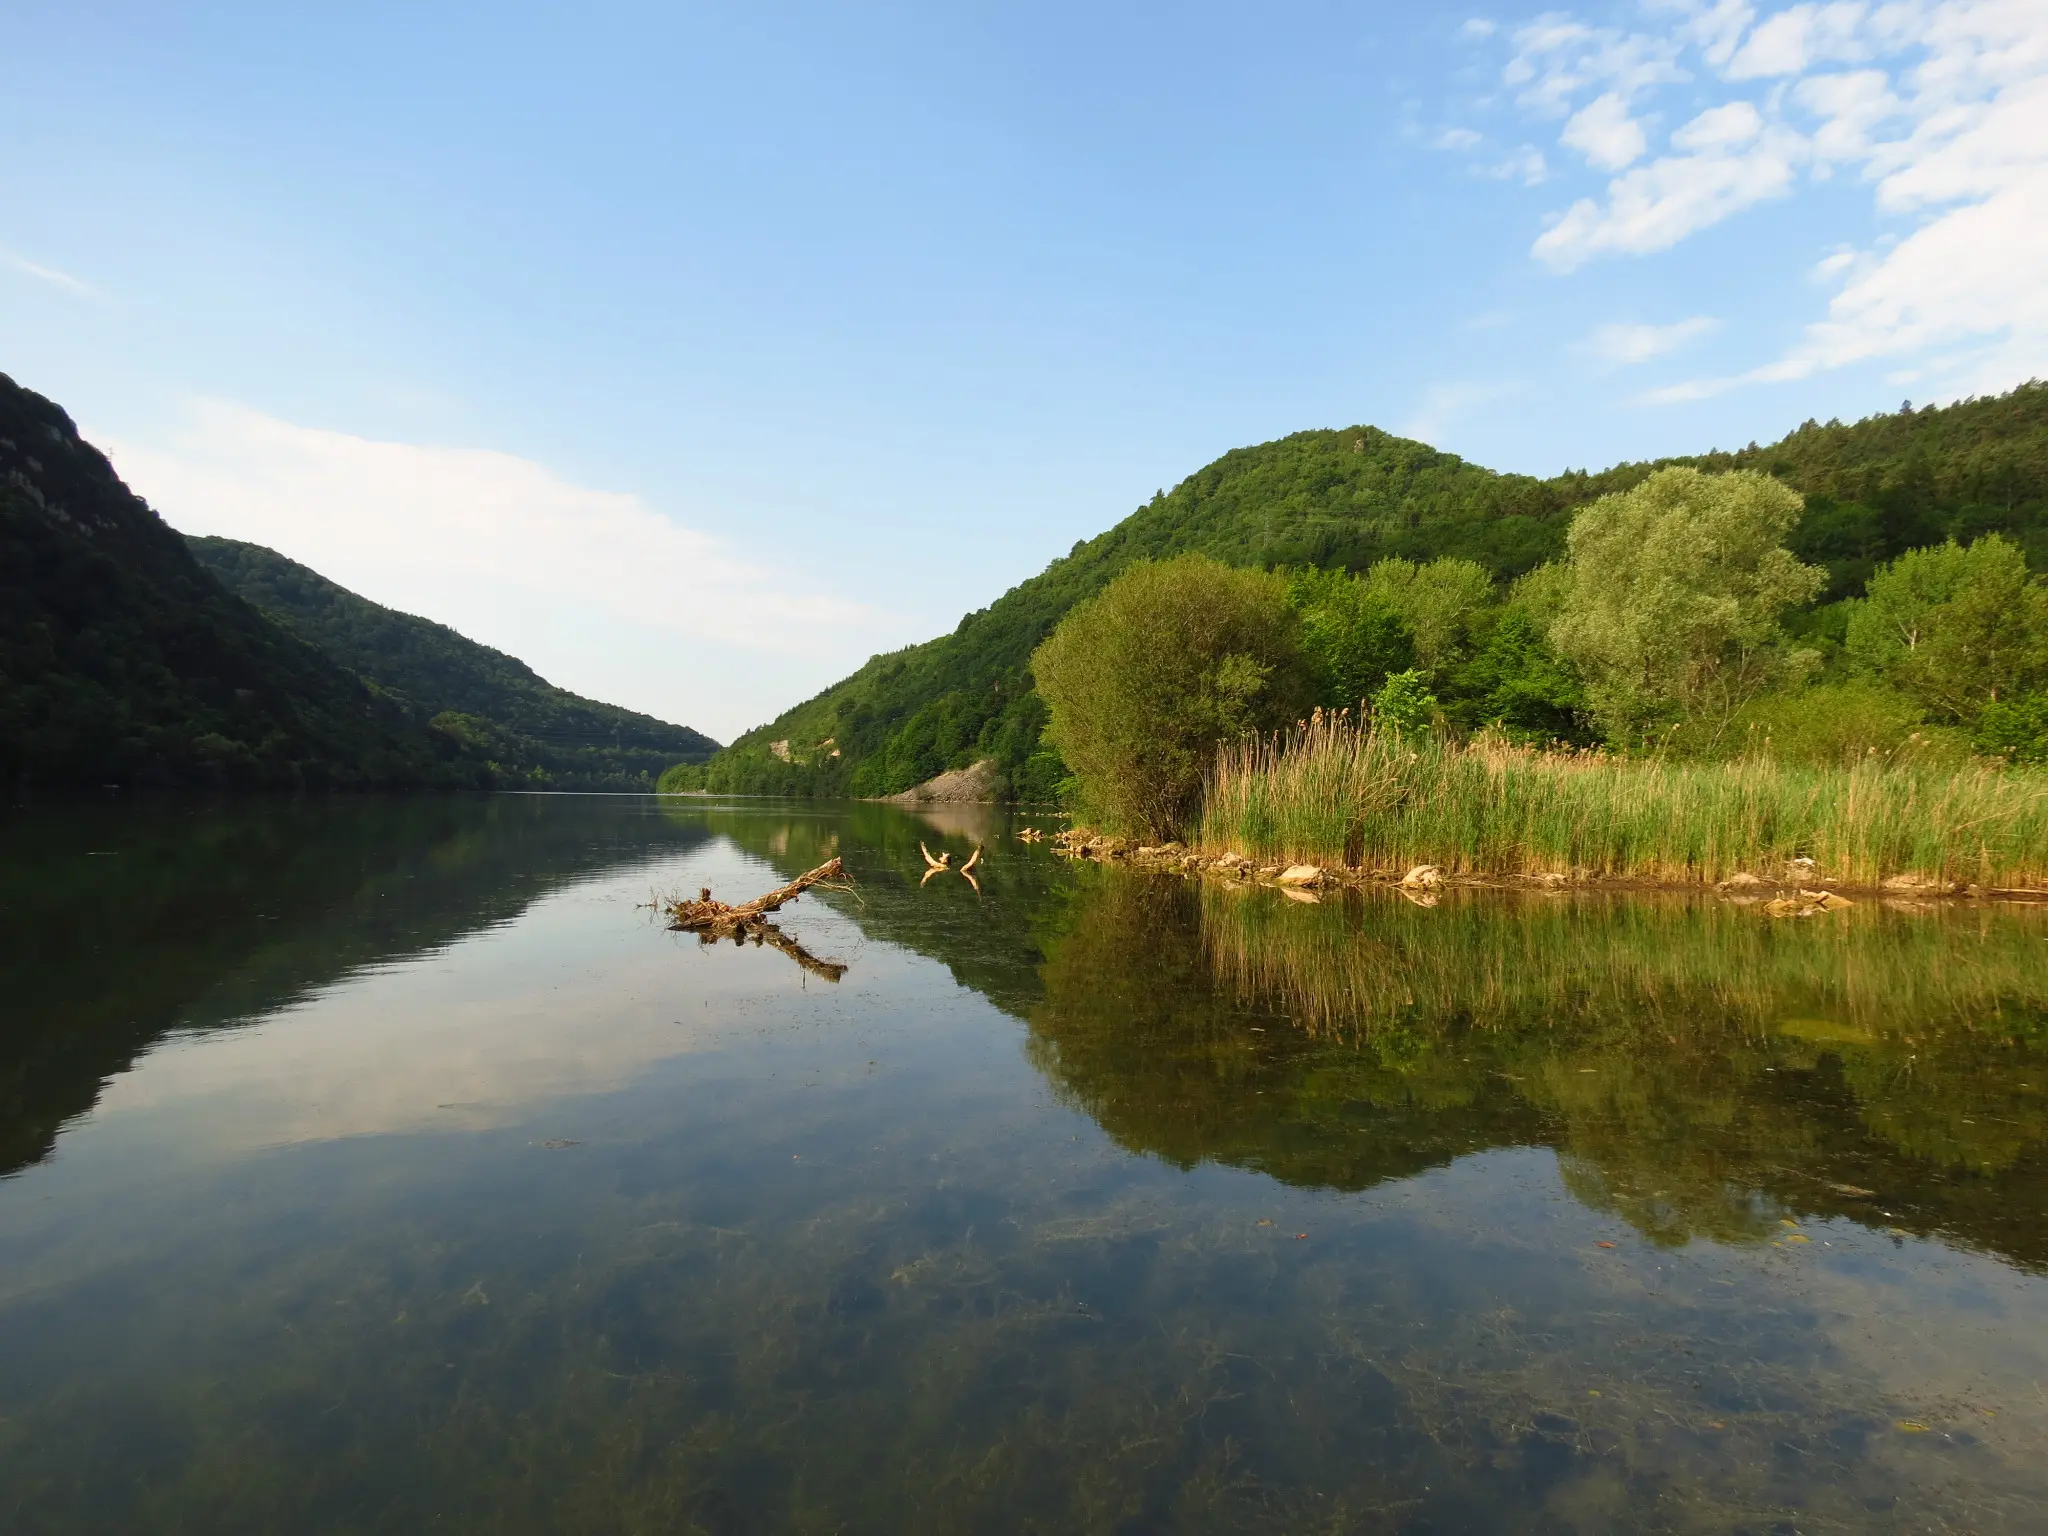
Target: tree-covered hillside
{"type": "Point", "coordinates": [535, 732]}
{"type": "Point", "coordinates": [121, 661]}
{"type": "Point", "coordinates": [1347, 499]}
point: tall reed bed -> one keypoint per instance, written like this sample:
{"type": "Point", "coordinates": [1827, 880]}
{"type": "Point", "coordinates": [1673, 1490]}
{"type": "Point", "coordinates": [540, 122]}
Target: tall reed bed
{"type": "Point", "coordinates": [1333, 790]}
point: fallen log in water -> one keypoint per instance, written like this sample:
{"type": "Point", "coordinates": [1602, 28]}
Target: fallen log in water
{"type": "Point", "coordinates": [721, 921]}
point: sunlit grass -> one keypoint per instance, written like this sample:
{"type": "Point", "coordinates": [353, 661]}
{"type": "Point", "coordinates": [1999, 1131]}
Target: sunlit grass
{"type": "Point", "coordinates": [1335, 791]}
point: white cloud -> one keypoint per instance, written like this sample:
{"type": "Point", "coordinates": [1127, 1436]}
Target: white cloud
{"type": "Point", "coordinates": [1654, 206]}
{"type": "Point", "coordinates": [1940, 105]}
{"type": "Point", "coordinates": [1605, 134]}
{"type": "Point", "coordinates": [1525, 164]}
{"type": "Point", "coordinates": [1845, 31]}
{"type": "Point", "coordinates": [1979, 273]}
{"type": "Point", "coordinates": [1716, 29]}
{"type": "Point", "coordinates": [1477, 28]}
{"type": "Point", "coordinates": [1951, 123]}
{"type": "Point", "coordinates": [1557, 57]}
{"type": "Point", "coordinates": [1720, 128]}
{"type": "Point", "coordinates": [51, 276]}
{"type": "Point", "coordinates": [596, 590]}
{"type": "Point", "coordinates": [1458, 139]}
{"type": "Point", "coordinates": [1624, 345]}
{"type": "Point", "coordinates": [1851, 108]}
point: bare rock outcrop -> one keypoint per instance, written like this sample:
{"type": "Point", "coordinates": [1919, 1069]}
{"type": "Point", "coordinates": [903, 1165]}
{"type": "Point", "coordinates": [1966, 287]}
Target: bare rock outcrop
{"type": "Point", "coordinates": [975, 785]}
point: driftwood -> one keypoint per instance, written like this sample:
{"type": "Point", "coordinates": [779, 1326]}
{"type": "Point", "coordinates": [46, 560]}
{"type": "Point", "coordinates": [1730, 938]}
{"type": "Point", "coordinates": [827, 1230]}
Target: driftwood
{"type": "Point", "coordinates": [714, 920]}
{"type": "Point", "coordinates": [720, 921]}
{"type": "Point", "coordinates": [943, 865]}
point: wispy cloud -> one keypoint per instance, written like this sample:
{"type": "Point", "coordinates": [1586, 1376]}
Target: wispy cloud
{"type": "Point", "coordinates": [49, 275]}
{"type": "Point", "coordinates": [1524, 164]}
{"type": "Point", "coordinates": [1940, 105]}
{"type": "Point", "coordinates": [595, 588]}
{"type": "Point", "coordinates": [1623, 345]}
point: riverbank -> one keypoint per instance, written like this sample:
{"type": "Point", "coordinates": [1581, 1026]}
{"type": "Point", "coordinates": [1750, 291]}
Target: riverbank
{"type": "Point", "coordinates": [1356, 804]}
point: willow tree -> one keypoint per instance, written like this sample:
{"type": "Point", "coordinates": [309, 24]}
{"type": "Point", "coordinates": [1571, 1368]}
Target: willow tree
{"type": "Point", "coordinates": [1672, 595]}
{"type": "Point", "coordinates": [1144, 680]}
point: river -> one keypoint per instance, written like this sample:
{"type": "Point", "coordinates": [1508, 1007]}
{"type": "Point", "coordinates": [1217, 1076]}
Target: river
{"type": "Point", "coordinates": [386, 1165]}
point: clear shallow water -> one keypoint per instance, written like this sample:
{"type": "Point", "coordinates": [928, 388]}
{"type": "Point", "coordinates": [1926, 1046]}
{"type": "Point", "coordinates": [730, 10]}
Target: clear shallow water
{"type": "Point", "coordinates": [381, 1165]}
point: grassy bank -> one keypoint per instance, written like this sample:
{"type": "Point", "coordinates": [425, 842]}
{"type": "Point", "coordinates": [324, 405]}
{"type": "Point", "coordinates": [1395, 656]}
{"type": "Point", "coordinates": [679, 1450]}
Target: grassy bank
{"type": "Point", "coordinates": [1332, 791]}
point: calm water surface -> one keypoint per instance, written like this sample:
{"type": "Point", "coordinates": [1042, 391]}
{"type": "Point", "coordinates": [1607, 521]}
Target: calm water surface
{"type": "Point", "coordinates": [383, 1166]}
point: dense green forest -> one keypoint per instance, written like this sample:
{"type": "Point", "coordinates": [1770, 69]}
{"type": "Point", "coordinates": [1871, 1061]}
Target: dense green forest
{"type": "Point", "coordinates": [121, 661]}
{"type": "Point", "coordinates": [531, 731]}
{"type": "Point", "coordinates": [1351, 501]}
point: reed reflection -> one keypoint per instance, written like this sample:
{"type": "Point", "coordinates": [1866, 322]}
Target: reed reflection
{"type": "Point", "coordinates": [1699, 1070]}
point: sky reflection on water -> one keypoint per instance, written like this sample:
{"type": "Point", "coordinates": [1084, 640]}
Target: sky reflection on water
{"type": "Point", "coordinates": [408, 1173]}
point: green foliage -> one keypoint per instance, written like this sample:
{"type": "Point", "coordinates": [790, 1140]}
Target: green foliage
{"type": "Point", "coordinates": [1404, 702]}
{"type": "Point", "coordinates": [1438, 602]}
{"type": "Point", "coordinates": [122, 661]}
{"type": "Point", "coordinates": [1353, 636]}
{"type": "Point", "coordinates": [1346, 500]}
{"type": "Point", "coordinates": [1898, 481]}
{"type": "Point", "coordinates": [2015, 728]}
{"type": "Point", "coordinates": [1836, 723]}
{"type": "Point", "coordinates": [1956, 627]}
{"type": "Point", "coordinates": [1676, 591]}
{"type": "Point", "coordinates": [1144, 680]}
{"type": "Point", "coordinates": [532, 732]}
{"type": "Point", "coordinates": [1517, 683]}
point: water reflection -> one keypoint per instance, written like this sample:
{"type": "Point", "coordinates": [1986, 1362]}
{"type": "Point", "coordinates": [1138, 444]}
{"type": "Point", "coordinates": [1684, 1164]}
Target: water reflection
{"type": "Point", "coordinates": [123, 921]}
{"type": "Point", "coordinates": [1701, 1071]}
{"type": "Point", "coordinates": [1086, 1201]}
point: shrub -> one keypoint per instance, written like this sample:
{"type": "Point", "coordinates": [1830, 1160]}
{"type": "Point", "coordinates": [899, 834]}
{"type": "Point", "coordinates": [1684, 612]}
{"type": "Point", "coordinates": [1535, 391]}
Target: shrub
{"type": "Point", "coordinates": [1404, 702]}
{"type": "Point", "coordinates": [1147, 677]}
{"type": "Point", "coordinates": [2016, 728]}
{"type": "Point", "coordinates": [1835, 723]}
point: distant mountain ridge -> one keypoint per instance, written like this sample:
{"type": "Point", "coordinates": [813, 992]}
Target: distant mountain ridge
{"type": "Point", "coordinates": [124, 659]}
{"type": "Point", "coordinates": [1873, 489]}
{"type": "Point", "coordinates": [121, 661]}
{"type": "Point", "coordinates": [496, 702]}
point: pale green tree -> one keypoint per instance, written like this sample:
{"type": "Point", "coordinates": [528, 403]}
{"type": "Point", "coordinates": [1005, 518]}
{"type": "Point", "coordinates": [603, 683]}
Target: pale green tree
{"type": "Point", "coordinates": [1147, 677]}
{"type": "Point", "coordinates": [1436, 601]}
{"type": "Point", "coordinates": [1672, 595]}
{"type": "Point", "coordinates": [1957, 627]}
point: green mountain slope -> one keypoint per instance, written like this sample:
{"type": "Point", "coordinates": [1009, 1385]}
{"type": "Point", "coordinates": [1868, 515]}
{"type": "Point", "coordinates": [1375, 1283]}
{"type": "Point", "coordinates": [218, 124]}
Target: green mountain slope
{"type": "Point", "coordinates": [122, 661]}
{"type": "Point", "coordinates": [1346, 499]}
{"type": "Point", "coordinates": [534, 731]}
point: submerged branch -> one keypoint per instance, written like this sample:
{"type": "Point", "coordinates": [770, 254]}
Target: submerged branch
{"type": "Point", "coordinates": [714, 920]}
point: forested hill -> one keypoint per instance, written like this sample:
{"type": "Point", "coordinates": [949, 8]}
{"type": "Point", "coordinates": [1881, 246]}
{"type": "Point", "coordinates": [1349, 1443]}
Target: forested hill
{"type": "Point", "coordinates": [122, 661]}
{"type": "Point", "coordinates": [1347, 498]}
{"type": "Point", "coordinates": [495, 702]}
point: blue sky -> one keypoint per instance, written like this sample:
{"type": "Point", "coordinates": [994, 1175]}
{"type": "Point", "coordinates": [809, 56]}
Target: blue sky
{"type": "Point", "coordinates": [694, 354]}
